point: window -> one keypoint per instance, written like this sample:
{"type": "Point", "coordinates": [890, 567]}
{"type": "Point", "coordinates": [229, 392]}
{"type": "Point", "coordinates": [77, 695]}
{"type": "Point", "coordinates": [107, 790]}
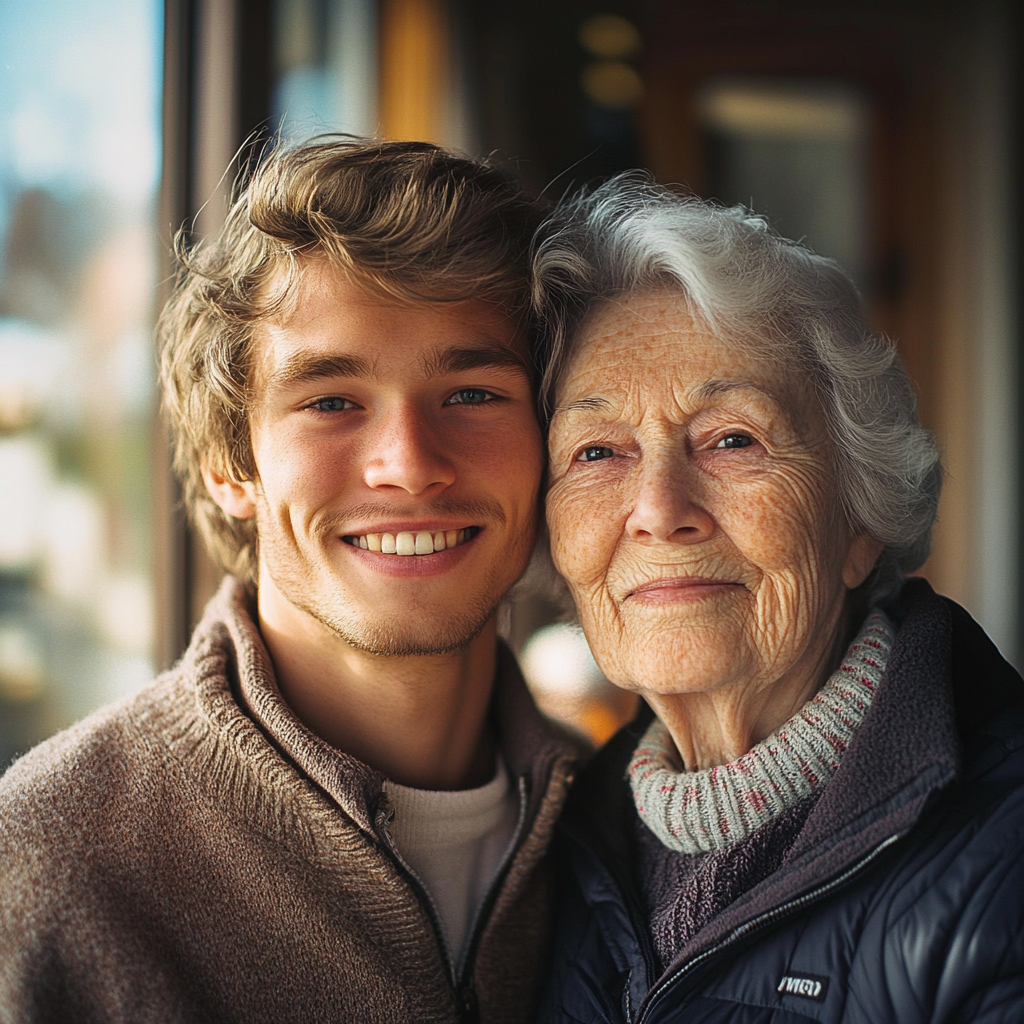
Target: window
{"type": "Point", "coordinates": [79, 159]}
{"type": "Point", "coordinates": [795, 151]}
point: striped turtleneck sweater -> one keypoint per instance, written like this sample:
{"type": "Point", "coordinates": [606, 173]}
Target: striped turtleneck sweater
{"type": "Point", "coordinates": [706, 837]}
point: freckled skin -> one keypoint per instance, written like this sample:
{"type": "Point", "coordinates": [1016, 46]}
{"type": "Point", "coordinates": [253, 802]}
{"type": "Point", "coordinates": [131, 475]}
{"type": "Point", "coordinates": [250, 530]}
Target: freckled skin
{"type": "Point", "coordinates": [702, 539]}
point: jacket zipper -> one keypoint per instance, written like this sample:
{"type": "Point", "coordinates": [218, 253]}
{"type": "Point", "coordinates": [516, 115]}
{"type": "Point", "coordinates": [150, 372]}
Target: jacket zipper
{"type": "Point", "coordinates": [464, 988]}
{"type": "Point", "coordinates": [383, 822]}
{"type": "Point", "coordinates": [763, 920]}
{"type": "Point", "coordinates": [464, 996]}
{"type": "Point", "coordinates": [483, 911]}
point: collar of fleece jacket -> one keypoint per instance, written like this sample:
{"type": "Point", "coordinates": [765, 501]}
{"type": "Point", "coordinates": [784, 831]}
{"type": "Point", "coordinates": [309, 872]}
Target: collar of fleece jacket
{"type": "Point", "coordinates": [907, 748]}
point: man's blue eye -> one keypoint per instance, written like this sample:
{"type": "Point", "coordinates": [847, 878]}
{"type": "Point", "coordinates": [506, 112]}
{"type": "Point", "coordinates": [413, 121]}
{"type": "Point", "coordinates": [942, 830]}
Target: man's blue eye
{"type": "Point", "coordinates": [594, 453]}
{"type": "Point", "coordinates": [331, 404]}
{"type": "Point", "coordinates": [470, 396]}
{"type": "Point", "coordinates": [735, 441]}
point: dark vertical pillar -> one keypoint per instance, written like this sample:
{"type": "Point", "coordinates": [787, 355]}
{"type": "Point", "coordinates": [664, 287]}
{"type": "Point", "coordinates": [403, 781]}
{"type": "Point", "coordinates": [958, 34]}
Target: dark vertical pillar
{"type": "Point", "coordinates": [1015, 16]}
{"type": "Point", "coordinates": [183, 573]}
{"type": "Point", "coordinates": [173, 538]}
{"type": "Point", "coordinates": [254, 71]}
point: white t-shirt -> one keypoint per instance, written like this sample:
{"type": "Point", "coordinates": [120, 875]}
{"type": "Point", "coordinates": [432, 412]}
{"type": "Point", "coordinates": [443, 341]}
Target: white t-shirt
{"type": "Point", "coordinates": [455, 842]}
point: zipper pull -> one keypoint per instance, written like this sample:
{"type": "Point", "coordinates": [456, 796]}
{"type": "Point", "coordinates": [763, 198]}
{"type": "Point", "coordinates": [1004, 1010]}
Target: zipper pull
{"type": "Point", "coordinates": [382, 819]}
{"type": "Point", "coordinates": [469, 1008]}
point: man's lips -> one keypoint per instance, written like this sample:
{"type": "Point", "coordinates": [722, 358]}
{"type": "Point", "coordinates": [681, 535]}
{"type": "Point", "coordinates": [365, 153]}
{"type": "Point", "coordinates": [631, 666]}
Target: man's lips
{"type": "Point", "coordinates": [681, 588]}
{"type": "Point", "coordinates": [412, 542]}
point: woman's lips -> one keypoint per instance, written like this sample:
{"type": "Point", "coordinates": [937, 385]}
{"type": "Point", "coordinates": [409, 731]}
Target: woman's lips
{"type": "Point", "coordinates": [681, 588]}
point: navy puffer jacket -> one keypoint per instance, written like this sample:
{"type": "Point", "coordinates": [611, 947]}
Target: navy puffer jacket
{"type": "Point", "coordinates": [902, 899]}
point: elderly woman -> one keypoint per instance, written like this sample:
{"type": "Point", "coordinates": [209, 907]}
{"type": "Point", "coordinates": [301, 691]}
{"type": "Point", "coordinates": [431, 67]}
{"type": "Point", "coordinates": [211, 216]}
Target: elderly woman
{"type": "Point", "coordinates": [824, 817]}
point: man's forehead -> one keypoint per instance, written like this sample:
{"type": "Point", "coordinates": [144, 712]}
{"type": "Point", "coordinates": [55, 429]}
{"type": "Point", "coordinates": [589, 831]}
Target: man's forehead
{"type": "Point", "coordinates": [330, 312]}
{"type": "Point", "coordinates": [314, 282]}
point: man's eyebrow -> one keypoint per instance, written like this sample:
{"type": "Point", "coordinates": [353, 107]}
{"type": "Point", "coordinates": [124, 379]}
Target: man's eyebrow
{"type": "Point", "coordinates": [459, 360]}
{"type": "Point", "coordinates": [303, 368]}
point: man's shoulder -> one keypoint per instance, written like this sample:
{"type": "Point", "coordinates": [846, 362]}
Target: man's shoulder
{"type": "Point", "coordinates": [88, 766]}
{"type": "Point", "coordinates": [120, 752]}
{"type": "Point", "coordinates": [88, 809]}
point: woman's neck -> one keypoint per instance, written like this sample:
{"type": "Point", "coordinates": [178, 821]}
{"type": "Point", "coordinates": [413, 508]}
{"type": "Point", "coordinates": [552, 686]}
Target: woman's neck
{"type": "Point", "coordinates": [711, 809]}
{"type": "Point", "coordinates": [718, 726]}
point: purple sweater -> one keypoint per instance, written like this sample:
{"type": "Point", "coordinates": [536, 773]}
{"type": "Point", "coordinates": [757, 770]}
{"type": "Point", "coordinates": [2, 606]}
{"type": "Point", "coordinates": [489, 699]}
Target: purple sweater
{"type": "Point", "coordinates": [682, 892]}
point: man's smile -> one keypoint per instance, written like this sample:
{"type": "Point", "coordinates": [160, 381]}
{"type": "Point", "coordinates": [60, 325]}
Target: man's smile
{"type": "Point", "coordinates": [406, 542]}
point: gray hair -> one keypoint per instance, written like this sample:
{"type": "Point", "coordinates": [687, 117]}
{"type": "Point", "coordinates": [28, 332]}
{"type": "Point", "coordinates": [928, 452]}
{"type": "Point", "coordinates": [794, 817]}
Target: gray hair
{"type": "Point", "coordinates": [742, 279]}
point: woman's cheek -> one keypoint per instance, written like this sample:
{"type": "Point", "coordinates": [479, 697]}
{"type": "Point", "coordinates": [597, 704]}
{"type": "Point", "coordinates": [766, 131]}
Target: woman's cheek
{"type": "Point", "coordinates": [774, 523]}
{"type": "Point", "coordinates": [569, 546]}
{"type": "Point", "coordinates": [582, 534]}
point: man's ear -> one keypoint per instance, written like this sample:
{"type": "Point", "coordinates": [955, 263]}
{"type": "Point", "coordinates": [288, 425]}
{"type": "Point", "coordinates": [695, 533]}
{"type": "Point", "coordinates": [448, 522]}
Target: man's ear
{"type": "Point", "coordinates": [238, 500]}
{"type": "Point", "coordinates": [860, 559]}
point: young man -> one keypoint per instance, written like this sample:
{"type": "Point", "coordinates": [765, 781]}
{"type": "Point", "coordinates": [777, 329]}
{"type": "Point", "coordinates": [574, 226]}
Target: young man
{"type": "Point", "coordinates": [336, 807]}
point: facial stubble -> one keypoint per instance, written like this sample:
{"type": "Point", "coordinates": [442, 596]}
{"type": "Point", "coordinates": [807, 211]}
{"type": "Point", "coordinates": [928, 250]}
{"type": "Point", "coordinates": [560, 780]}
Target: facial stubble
{"type": "Point", "coordinates": [450, 630]}
{"type": "Point", "coordinates": [382, 638]}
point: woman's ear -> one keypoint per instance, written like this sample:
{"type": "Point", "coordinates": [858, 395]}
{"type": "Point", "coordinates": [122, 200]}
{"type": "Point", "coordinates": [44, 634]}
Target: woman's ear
{"type": "Point", "coordinates": [238, 500]}
{"type": "Point", "coordinates": [861, 556]}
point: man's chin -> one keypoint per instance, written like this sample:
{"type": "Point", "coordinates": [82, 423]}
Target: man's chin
{"type": "Point", "coordinates": [407, 629]}
{"type": "Point", "coordinates": [393, 640]}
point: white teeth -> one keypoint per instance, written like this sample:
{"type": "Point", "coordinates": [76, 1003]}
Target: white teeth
{"type": "Point", "coordinates": [420, 542]}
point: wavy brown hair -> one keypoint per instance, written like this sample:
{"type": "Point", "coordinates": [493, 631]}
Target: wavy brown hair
{"type": "Point", "coordinates": [405, 219]}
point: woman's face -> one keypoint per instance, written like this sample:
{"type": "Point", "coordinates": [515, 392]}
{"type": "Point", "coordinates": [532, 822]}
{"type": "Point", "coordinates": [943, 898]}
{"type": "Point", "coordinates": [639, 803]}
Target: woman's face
{"type": "Point", "coordinates": [693, 508]}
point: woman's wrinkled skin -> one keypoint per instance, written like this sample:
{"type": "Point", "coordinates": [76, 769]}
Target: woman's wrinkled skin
{"type": "Point", "coordinates": [693, 510]}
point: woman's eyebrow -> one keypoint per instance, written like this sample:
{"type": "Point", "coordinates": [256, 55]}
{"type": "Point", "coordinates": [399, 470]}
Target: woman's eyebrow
{"type": "Point", "coordinates": [594, 402]}
{"type": "Point", "coordinates": [705, 392]}
{"type": "Point", "coordinates": [711, 388]}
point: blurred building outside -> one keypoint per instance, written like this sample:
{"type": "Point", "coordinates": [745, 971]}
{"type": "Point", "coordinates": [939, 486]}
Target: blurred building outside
{"type": "Point", "coordinates": [79, 172]}
{"type": "Point", "coordinates": [881, 134]}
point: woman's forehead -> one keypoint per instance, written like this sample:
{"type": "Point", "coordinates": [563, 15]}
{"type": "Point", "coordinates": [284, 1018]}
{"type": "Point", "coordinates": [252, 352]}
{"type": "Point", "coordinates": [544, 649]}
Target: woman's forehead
{"type": "Point", "coordinates": [649, 346]}
{"type": "Point", "coordinates": [655, 334]}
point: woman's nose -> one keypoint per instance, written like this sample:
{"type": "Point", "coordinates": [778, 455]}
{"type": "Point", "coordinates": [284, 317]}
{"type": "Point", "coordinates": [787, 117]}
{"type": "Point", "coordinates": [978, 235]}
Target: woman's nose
{"type": "Point", "coordinates": [407, 454]}
{"type": "Point", "coordinates": [668, 506]}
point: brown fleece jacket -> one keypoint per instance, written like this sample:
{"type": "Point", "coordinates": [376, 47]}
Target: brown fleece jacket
{"type": "Point", "coordinates": [194, 853]}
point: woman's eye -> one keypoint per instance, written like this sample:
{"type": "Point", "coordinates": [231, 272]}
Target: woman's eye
{"type": "Point", "coordinates": [594, 453]}
{"type": "Point", "coordinates": [470, 396]}
{"type": "Point", "coordinates": [332, 404]}
{"type": "Point", "coordinates": [735, 441]}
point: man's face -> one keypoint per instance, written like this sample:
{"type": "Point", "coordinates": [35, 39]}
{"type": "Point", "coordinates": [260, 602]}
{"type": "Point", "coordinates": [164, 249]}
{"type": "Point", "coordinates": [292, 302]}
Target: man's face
{"type": "Point", "coordinates": [382, 428]}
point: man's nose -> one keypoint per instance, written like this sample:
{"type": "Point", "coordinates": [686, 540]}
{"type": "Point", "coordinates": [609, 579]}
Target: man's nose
{"type": "Point", "coordinates": [407, 454]}
{"type": "Point", "coordinates": [669, 504]}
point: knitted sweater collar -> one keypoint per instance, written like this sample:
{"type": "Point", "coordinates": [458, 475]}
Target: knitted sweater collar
{"type": "Point", "coordinates": [713, 809]}
{"type": "Point", "coordinates": [233, 670]}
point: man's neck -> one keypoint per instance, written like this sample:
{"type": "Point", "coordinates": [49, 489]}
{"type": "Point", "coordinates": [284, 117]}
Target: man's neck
{"type": "Point", "coordinates": [419, 720]}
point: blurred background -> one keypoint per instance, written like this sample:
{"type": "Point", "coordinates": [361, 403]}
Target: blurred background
{"type": "Point", "coordinates": [79, 260]}
{"type": "Point", "coordinates": [883, 134]}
